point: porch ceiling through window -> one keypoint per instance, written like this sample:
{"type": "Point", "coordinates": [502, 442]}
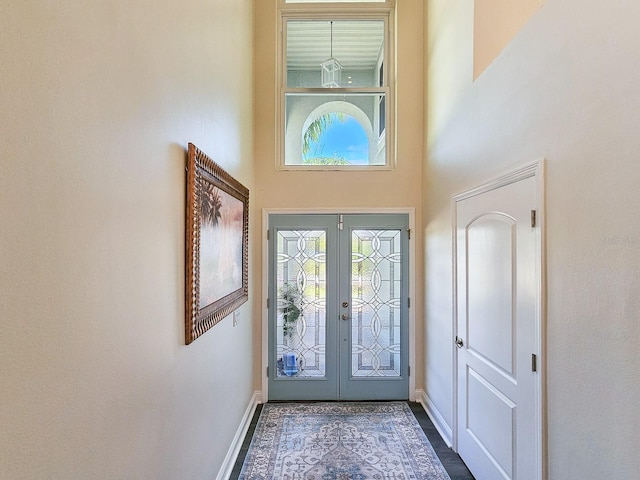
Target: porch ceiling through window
{"type": "Point", "coordinates": [356, 44]}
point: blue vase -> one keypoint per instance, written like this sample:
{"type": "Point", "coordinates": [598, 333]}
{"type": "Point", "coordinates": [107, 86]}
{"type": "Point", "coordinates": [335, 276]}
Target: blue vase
{"type": "Point", "coordinates": [290, 364]}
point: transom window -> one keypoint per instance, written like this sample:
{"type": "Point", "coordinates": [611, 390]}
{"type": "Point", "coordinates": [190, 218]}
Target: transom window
{"type": "Point", "coordinates": [333, 1]}
{"type": "Point", "coordinates": [336, 89]}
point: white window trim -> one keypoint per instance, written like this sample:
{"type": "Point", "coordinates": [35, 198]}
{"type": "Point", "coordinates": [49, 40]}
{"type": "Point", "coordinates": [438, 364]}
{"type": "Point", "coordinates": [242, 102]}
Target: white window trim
{"type": "Point", "coordinates": [337, 11]}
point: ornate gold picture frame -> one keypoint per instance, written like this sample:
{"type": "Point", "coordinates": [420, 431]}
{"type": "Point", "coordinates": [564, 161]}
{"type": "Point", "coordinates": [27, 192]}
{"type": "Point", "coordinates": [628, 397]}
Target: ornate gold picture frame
{"type": "Point", "coordinates": [217, 236]}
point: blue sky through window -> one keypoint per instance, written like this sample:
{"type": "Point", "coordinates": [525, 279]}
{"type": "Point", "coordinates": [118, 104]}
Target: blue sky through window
{"type": "Point", "coordinates": [345, 139]}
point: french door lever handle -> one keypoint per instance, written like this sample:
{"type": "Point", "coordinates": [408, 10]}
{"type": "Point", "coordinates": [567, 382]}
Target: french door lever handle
{"type": "Point", "coordinates": [459, 342]}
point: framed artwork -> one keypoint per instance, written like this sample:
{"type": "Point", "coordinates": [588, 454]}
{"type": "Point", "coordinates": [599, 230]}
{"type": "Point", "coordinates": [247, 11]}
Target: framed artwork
{"type": "Point", "coordinates": [217, 244]}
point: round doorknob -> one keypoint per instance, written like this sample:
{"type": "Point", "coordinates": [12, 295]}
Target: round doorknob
{"type": "Point", "coordinates": [459, 342]}
{"type": "Point", "coordinates": [345, 317]}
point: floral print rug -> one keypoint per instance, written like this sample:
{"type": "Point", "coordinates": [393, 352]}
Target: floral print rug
{"type": "Point", "coordinates": [340, 441]}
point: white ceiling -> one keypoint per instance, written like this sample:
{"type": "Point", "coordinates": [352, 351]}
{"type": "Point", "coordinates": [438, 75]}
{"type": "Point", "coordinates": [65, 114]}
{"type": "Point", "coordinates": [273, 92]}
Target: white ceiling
{"type": "Point", "coordinates": [356, 44]}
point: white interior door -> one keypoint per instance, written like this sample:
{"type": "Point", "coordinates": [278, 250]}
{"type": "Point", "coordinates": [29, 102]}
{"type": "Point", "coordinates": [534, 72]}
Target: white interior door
{"type": "Point", "coordinates": [498, 332]}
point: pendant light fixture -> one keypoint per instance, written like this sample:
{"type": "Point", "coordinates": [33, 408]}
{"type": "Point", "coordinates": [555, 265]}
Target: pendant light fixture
{"type": "Point", "coordinates": [331, 69]}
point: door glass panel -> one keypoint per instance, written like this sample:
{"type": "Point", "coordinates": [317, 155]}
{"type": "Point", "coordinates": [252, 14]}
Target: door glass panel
{"type": "Point", "coordinates": [301, 303]}
{"type": "Point", "coordinates": [375, 299]}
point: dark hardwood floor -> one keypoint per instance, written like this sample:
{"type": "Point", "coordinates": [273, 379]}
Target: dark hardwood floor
{"type": "Point", "coordinates": [452, 463]}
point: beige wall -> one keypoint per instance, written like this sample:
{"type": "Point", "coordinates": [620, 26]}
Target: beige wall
{"type": "Point", "coordinates": [97, 104]}
{"type": "Point", "coordinates": [565, 89]}
{"type": "Point", "coordinates": [495, 23]}
{"type": "Point", "coordinates": [324, 190]}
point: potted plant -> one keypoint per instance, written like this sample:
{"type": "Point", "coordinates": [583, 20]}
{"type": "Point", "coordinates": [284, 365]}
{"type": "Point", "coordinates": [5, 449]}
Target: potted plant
{"type": "Point", "coordinates": [290, 307]}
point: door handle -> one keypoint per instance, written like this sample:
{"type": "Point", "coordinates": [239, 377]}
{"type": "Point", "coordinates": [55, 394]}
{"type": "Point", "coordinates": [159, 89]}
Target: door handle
{"type": "Point", "coordinates": [459, 342]}
{"type": "Point", "coordinates": [345, 317]}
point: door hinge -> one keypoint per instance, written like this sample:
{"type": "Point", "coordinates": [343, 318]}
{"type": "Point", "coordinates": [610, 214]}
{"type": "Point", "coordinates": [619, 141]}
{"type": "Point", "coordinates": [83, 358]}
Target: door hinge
{"type": "Point", "coordinates": [409, 302]}
{"type": "Point", "coordinates": [408, 371]}
{"type": "Point", "coordinates": [533, 218]}
{"type": "Point", "coordinates": [534, 362]}
{"type": "Point", "coordinates": [268, 303]}
{"type": "Point", "coordinates": [267, 371]}
{"type": "Point", "coordinates": [409, 233]}
{"type": "Point", "coordinates": [268, 234]}
{"type": "Point", "coordinates": [340, 222]}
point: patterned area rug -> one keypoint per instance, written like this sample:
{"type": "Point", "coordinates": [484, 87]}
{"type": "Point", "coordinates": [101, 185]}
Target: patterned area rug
{"type": "Point", "coordinates": [340, 441]}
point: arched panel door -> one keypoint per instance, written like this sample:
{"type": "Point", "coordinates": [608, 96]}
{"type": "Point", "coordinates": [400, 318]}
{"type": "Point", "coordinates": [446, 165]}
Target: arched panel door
{"type": "Point", "coordinates": [498, 332]}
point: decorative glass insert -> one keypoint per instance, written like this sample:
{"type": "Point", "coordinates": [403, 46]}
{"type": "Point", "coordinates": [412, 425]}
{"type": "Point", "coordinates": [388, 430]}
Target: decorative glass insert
{"type": "Point", "coordinates": [375, 314]}
{"type": "Point", "coordinates": [301, 280]}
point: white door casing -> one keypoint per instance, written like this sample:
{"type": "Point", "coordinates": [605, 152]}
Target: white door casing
{"type": "Point", "coordinates": [263, 394]}
{"type": "Point", "coordinates": [498, 327]}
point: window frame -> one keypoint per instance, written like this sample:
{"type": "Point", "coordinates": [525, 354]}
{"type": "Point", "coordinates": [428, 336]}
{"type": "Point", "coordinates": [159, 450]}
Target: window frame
{"type": "Point", "coordinates": [328, 11]}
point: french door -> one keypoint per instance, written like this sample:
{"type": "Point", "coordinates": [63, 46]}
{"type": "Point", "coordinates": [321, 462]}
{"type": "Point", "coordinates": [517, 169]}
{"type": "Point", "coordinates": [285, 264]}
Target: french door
{"type": "Point", "coordinates": [338, 307]}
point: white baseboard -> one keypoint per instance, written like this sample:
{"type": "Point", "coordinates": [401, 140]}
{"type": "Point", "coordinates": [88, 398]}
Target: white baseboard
{"type": "Point", "coordinates": [236, 444]}
{"type": "Point", "coordinates": [436, 417]}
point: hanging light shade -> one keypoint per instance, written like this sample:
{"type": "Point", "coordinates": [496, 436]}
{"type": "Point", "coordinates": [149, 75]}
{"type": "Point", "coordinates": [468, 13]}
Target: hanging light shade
{"type": "Point", "coordinates": [331, 69]}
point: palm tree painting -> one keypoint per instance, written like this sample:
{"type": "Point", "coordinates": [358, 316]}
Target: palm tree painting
{"type": "Point", "coordinates": [221, 230]}
{"type": "Point", "coordinates": [217, 227]}
{"type": "Point", "coordinates": [211, 204]}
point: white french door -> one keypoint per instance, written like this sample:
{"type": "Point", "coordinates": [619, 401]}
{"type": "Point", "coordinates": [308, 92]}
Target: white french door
{"type": "Point", "coordinates": [338, 307]}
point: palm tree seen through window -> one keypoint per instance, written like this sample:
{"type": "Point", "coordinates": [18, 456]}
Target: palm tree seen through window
{"type": "Point", "coordinates": [335, 139]}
